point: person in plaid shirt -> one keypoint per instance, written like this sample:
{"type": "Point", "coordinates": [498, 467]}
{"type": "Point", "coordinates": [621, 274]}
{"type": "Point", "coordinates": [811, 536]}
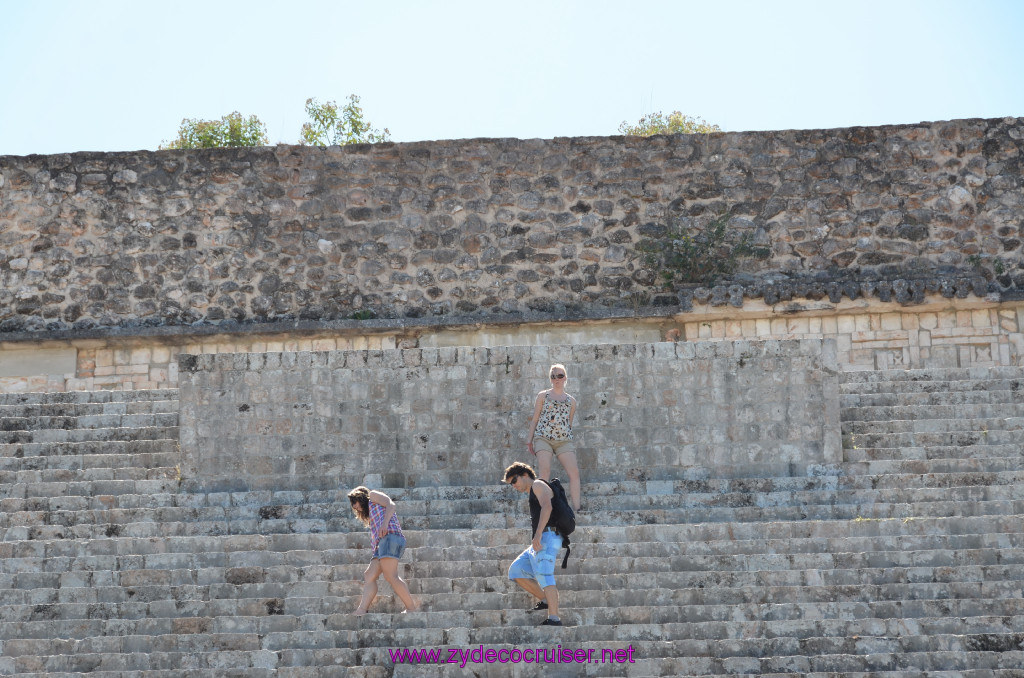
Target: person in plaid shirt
{"type": "Point", "coordinates": [387, 543]}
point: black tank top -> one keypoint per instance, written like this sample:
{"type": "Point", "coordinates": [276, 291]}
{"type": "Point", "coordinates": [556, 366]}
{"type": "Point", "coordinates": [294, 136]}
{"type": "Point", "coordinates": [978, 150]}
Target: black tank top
{"type": "Point", "coordinates": [535, 511]}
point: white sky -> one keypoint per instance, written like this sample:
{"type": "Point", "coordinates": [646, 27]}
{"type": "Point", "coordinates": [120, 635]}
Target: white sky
{"type": "Point", "coordinates": [111, 75]}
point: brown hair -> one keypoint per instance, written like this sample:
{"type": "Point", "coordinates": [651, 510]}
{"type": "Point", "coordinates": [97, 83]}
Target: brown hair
{"type": "Point", "coordinates": [360, 498]}
{"type": "Point", "coordinates": [519, 469]}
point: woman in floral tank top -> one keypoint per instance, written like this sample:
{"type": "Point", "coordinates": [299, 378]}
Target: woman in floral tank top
{"type": "Point", "coordinates": [387, 544]}
{"type": "Point", "coordinates": [551, 432]}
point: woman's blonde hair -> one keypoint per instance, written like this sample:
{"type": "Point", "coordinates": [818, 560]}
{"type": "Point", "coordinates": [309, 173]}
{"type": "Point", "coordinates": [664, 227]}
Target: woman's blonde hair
{"type": "Point", "coordinates": [558, 366]}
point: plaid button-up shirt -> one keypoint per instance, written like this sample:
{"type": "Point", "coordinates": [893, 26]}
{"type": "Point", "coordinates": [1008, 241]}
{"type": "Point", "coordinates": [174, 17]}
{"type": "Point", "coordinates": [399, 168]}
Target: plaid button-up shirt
{"type": "Point", "coordinates": [377, 523]}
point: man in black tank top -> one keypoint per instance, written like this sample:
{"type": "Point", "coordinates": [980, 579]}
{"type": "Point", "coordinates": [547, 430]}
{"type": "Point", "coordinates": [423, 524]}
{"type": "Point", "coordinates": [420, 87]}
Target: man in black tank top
{"type": "Point", "coordinates": [534, 569]}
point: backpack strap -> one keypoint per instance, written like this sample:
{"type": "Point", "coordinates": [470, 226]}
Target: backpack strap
{"type": "Point", "coordinates": [565, 543]}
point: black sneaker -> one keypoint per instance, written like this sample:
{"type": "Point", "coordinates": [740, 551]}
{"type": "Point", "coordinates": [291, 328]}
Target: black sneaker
{"type": "Point", "coordinates": [551, 622]}
{"type": "Point", "coordinates": [542, 605]}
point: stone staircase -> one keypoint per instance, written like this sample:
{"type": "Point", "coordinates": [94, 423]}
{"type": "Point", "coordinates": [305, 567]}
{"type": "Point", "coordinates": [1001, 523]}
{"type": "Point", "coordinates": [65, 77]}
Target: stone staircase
{"type": "Point", "coordinates": [905, 560]}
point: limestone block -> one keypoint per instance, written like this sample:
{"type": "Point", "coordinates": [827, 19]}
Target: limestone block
{"type": "Point", "coordinates": [798, 326]}
{"type": "Point", "coordinates": [846, 324]}
{"type": "Point", "coordinates": [324, 345]}
{"type": "Point", "coordinates": [891, 321]}
{"type": "Point", "coordinates": [141, 356]}
{"type": "Point", "coordinates": [28, 362]}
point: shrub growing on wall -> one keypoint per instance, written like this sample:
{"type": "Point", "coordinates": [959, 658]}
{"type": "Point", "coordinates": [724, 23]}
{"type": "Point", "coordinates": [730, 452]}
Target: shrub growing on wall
{"type": "Point", "coordinates": [702, 254]}
{"type": "Point", "coordinates": [332, 126]}
{"type": "Point", "coordinates": [673, 123]}
{"type": "Point", "coordinates": [231, 131]}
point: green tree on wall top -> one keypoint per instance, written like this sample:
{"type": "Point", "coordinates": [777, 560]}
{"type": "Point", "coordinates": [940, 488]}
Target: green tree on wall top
{"type": "Point", "coordinates": [332, 126]}
{"type": "Point", "coordinates": [231, 131]}
{"type": "Point", "coordinates": [673, 123]}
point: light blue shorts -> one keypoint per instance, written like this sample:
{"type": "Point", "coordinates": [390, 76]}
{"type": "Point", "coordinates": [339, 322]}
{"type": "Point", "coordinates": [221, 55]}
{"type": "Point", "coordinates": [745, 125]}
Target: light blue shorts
{"type": "Point", "coordinates": [390, 546]}
{"type": "Point", "coordinates": [538, 566]}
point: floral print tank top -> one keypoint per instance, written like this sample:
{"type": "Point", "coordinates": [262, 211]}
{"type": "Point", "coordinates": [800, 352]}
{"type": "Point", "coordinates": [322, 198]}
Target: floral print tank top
{"type": "Point", "coordinates": [554, 419]}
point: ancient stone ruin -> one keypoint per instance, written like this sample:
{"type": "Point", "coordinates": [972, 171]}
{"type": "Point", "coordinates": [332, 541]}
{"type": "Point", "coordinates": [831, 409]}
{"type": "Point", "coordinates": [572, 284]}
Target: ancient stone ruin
{"type": "Point", "coordinates": [809, 464]}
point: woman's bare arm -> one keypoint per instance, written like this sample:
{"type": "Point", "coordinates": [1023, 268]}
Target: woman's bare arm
{"type": "Point", "coordinates": [533, 424]}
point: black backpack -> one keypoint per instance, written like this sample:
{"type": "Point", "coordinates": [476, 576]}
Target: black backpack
{"type": "Point", "coordinates": [563, 518]}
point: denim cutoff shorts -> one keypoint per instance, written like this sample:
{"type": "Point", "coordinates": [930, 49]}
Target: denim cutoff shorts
{"type": "Point", "coordinates": [539, 566]}
{"type": "Point", "coordinates": [390, 546]}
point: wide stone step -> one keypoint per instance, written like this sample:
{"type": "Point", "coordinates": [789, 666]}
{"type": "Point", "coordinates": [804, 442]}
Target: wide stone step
{"type": "Point", "coordinates": [961, 438]}
{"type": "Point", "coordinates": [167, 456]}
{"type": "Point", "coordinates": [734, 487]}
{"type": "Point", "coordinates": [84, 448]}
{"type": "Point", "coordinates": [91, 409]}
{"type": "Point", "coordinates": [47, 476]}
{"type": "Point", "coordinates": [91, 660]}
{"type": "Point", "coordinates": [217, 653]}
{"type": "Point", "coordinates": [932, 374]}
{"type": "Point", "coordinates": [979, 500]}
{"type": "Point", "coordinates": [88, 488]}
{"type": "Point", "coordinates": [835, 491]}
{"type": "Point", "coordinates": [723, 595]}
{"type": "Point", "coordinates": [909, 560]}
{"type": "Point", "coordinates": [837, 654]}
{"type": "Point", "coordinates": [989, 457]}
{"type": "Point", "coordinates": [38, 563]}
{"type": "Point", "coordinates": [690, 656]}
{"type": "Point", "coordinates": [222, 672]}
{"type": "Point", "coordinates": [924, 465]}
{"type": "Point", "coordinates": [90, 422]}
{"type": "Point", "coordinates": [981, 673]}
{"type": "Point", "coordinates": [784, 666]}
{"type": "Point", "coordinates": [734, 538]}
{"type": "Point", "coordinates": [1006, 426]}
{"type": "Point", "coordinates": [72, 397]}
{"type": "Point", "coordinates": [289, 631]}
{"type": "Point", "coordinates": [993, 398]}
{"type": "Point", "coordinates": [923, 413]}
{"type": "Point", "coordinates": [855, 486]}
{"type": "Point", "coordinates": [636, 668]}
{"type": "Point", "coordinates": [216, 660]}
{"type": "Point", "coordinates": [81, 435]}
{"type": "Point", "coordinates": [769, 667]}
{"type": "Point", "coordinates": [166, 522]}
{"type": "Point", "coordinates": [141, 595]}
{"type": "Point", "coordinates": [1012, 384]}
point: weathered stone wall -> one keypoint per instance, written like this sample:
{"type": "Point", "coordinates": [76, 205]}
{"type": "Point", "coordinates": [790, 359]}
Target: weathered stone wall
{"type": "Point", "coordinates": [501, 227]}
{"type": "Point", "coordinates": [277, 420]}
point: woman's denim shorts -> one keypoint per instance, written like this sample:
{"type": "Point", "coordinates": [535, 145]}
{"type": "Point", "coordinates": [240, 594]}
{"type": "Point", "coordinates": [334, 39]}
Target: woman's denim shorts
{"type": "Point", "coordinates": [390, 546]}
